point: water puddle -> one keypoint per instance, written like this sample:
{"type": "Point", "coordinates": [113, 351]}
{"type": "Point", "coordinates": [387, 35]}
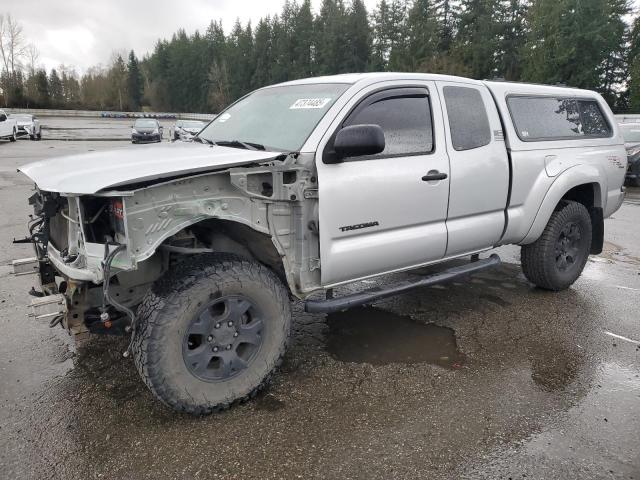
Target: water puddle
{"type": "Point", "coordinates": [370, 335]}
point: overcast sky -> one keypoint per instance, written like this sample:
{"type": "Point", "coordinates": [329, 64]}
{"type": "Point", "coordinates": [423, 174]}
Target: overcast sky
{"type": "Point", "coordinates": [82, 33]}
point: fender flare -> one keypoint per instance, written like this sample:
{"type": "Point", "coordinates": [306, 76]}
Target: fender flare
{"type": "Point", "coordinates": [570, 178]}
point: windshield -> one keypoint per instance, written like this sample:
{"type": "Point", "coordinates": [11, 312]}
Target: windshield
{"type": "Point", "coordinates": [631, 132]}
{"type": "Point", "coordinates": [17, 116]}
{"type": "Point", "coordinates": [280, 118]}
{"type": "Point", "coordinates": [145, 124]}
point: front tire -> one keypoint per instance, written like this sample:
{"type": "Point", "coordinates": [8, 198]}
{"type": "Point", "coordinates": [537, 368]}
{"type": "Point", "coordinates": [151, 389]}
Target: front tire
{"type": "Point", "coordinates": [211, 333]}
{"type": "Point", "coordinates": [557, 258]}
{"type": "Point", "coordinates": [14, 137]}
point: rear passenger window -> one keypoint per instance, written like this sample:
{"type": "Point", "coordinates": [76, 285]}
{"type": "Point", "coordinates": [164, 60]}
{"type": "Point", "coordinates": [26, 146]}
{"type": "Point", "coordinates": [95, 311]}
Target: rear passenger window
{"type": "Point", "coordinates": [548, 118]}
{"type": "Point", "coordinates": [405, 120]}
{"type": "Point", "coordinates": [468, 120]}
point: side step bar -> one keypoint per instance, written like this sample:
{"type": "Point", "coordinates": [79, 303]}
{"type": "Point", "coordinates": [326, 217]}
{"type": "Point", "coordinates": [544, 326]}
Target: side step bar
{"type": "Point", "coordinates": [331, 305]}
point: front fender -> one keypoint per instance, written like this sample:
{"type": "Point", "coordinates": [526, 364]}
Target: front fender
{"type": "Point", "coordinates": [570, 178]}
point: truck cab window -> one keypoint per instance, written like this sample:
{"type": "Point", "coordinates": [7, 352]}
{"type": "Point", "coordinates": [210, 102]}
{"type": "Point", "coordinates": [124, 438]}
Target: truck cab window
{"type": "Point", "coordinates": [468, 120]}
{"type": "Point", "coordinates": [405, 120]}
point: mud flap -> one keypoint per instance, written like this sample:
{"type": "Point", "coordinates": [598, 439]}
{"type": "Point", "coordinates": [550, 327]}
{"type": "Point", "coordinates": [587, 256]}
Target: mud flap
{"type": "Point", "coordinates": [597, 230]}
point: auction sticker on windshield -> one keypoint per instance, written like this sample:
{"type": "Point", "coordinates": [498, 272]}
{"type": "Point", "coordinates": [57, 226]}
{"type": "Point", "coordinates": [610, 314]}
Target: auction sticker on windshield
{"type": "Point", "coordinates": [309, 103]}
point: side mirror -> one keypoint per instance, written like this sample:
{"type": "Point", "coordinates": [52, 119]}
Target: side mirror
{"type": "Point", "coordinates": [359, 140]}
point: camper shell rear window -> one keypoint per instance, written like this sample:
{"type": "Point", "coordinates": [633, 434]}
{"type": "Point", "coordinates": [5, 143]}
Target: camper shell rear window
{"type": "Point", "coordinates": [542, 118]}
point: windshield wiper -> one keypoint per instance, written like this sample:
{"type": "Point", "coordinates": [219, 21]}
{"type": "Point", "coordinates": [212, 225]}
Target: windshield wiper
{"type": "Point", "coordinates": [239, 144]}
{"type": "Point", "coordinates": [203, 140]}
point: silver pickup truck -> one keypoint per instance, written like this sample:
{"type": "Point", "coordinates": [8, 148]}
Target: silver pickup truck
{"type": "Point", "coordinates": [195, 249]}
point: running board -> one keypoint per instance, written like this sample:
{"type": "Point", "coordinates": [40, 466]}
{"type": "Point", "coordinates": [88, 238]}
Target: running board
{"type": "Point", "coordinates": [331, 305]}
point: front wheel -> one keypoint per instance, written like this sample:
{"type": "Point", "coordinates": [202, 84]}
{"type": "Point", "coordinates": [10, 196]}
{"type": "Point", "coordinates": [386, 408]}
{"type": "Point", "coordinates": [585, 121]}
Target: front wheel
{"type": "Point", "coordinates": [211, 333]}
{"type": "Point", "coordinates": [14, 137]}
{"type": "Point", "coordinates": [557, 258]}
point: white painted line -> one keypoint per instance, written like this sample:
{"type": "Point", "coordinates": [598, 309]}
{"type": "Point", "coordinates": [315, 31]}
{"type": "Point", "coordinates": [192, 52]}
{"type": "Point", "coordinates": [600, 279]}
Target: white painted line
{"type": "Point", "coordinates": [615, 335]}
{"type": "Point", "coordinates": [627, 288]}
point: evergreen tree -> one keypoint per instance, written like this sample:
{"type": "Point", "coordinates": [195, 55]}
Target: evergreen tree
{"type": "Point", "coordinates": [42, 88]}
{"type": "Point", "coordinates": [118, 84]}
{"type": "Point", "coordinates": [424, 30]}
{"type": "Point", "coordinates": [216, 91]}
{"type": "Point", "coordinates": [70, 88]}
{"type": "Point", "coordinates": [447, 12]}
{"type": "Point", "coordinates": [576, 42]}
{"type": "Point", "coordinates": [263, 54]}
{"type": "Point", "coordinates": [330, 38]}
{"type": "Point", "coordinates": [358, 41]}
{"type": "Point", "coordinates": [302, 41]}
{"type": "Point", "coordinates": [633, 59]}
{"type": "Point", "coordinates": [134, 83]}
{"type": "Point", "coordinates": [478, 38]}
{"type": "Point", "coordinates": [390, 35]}
{"type": "Point", "coordinates": [56, 92]}
{"type": "Point", "coordinates": [240, 55]}
{"type": "Point", "coordinates": [512, 40]}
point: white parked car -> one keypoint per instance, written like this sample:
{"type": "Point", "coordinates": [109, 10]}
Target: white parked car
{"type": "Point", "coordinates": [195, 249]}
{"type": "Point", "coordinates": [8, 127]}
{"type": "Point", "coordinates": [28, 125]}
{"type": "Point", "coordinates": [185, 129]}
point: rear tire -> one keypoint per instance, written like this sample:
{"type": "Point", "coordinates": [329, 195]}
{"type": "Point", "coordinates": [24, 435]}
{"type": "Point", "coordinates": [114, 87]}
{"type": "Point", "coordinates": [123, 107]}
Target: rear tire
{"type": "Point", "coordinates": [207, 304]}
{"type": "Point", "coordinates": [557, 258]}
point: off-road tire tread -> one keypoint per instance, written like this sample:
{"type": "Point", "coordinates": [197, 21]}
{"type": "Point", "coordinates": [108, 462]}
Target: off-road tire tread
{"type": "Point", "coordinates": [534, 257]}
{"type": "Point", "coordinates": [219, 266]}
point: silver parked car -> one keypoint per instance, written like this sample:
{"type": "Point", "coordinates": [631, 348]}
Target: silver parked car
{"type": "Point", "coordinates": [28, 125]}
{"type": "Point", "coordinates": [185, 129]}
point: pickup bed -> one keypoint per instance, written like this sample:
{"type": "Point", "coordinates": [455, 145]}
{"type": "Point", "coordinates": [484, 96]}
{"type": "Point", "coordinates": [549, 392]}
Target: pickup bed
{"type": "Point", "coordinates": [194, 249]}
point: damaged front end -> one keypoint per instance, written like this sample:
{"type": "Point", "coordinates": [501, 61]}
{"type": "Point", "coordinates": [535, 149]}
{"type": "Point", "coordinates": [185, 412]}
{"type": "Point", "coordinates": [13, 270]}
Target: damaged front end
{"type": "Point", "coordinates": [77, 240]}
{"type": "Point", "coordinates": [98, 254]}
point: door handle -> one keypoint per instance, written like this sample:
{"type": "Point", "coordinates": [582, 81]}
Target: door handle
{"type": "Point", "coordinates": [434, 175]}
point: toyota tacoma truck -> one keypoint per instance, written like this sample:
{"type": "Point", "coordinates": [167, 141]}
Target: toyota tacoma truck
{"type": "Point", "coordinates": [195, 250]}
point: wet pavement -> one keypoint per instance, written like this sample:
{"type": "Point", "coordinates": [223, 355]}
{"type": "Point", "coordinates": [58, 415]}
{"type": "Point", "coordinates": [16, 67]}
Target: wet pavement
{"type": "Point", "coordinates": [489, 378]}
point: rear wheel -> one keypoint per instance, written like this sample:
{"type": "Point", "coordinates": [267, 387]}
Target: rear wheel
{"type": "Point", "coordinates": [211, 333]}
{"type": "Point", "coordinates": [557, 258]}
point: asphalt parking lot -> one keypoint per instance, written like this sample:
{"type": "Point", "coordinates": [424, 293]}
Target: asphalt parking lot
{"type": "Point", "coordinates": [489, 378]}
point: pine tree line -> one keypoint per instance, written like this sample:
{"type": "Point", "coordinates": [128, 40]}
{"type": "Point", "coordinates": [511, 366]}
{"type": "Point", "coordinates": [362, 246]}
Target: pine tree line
{"type": "Point", "coordinates": [582, 43]}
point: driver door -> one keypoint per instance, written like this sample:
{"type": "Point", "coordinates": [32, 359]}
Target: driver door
{"type": "Point", "coordinates": [385, 212]}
